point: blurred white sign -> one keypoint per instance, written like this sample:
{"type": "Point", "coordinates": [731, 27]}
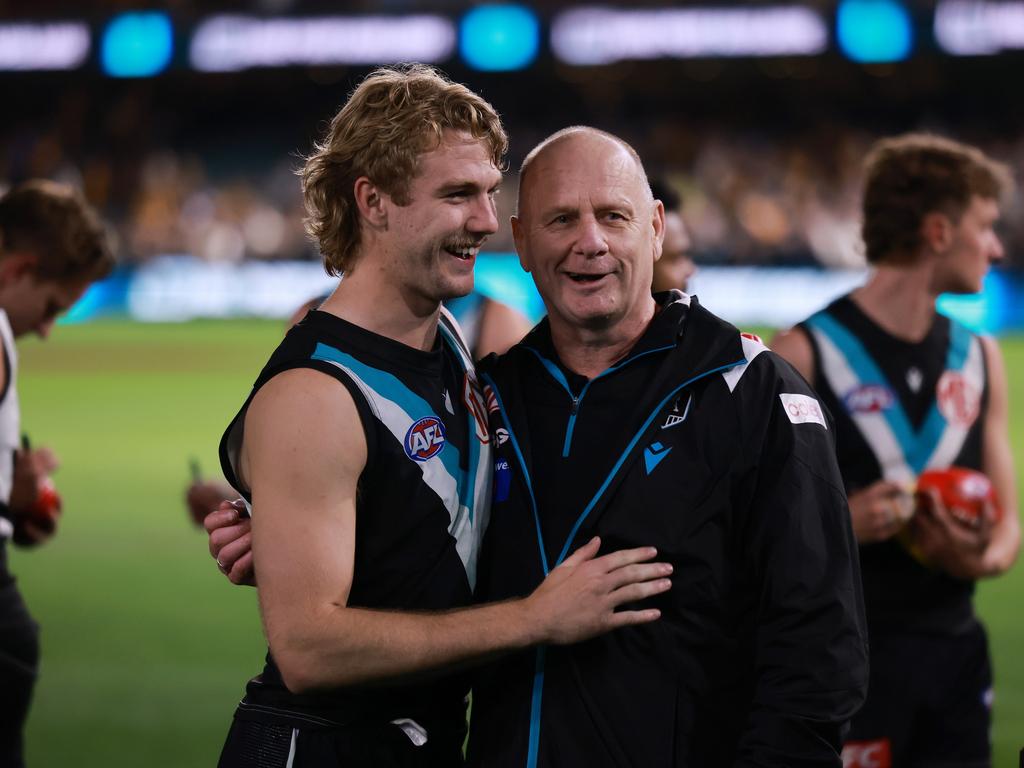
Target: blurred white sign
{"type": "Point", "coordinates": [604, 35]}
{"type": "Point", "coordinates": [231, 43]}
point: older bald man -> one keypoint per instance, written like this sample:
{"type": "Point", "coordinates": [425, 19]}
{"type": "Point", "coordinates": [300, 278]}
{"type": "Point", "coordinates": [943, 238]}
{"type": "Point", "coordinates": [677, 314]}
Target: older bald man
{"type": "Point", "coordinates": [649, 420]}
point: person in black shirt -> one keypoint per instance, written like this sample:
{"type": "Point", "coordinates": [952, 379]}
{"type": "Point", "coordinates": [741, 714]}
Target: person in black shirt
{"type": "Point", "coordinates": [912, 390]}
{"type": "Point", "coordinates": [639, 418]}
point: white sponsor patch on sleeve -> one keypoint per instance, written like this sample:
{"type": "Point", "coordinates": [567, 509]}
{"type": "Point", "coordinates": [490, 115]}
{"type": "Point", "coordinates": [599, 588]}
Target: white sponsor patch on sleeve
{"type": "Point", "coordinates": [802, 409]}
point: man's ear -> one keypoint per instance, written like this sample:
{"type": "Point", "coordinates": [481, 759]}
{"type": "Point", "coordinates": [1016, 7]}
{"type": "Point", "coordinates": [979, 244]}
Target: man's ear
{"type": "Point", "coordinates": [17, 264]}
{"type": "Point", "coordinates": [936, 231]}
{"type": "Point", "coordinates": [658, 223]}
{"type": "Point", "coordinates": [519, 237]}
{"type": "Point", "coordinates": [370, 201]}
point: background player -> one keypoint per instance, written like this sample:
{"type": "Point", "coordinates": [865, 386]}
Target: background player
{"type": "Point", "coordinates": [52, 247]}
{"type": "Point", "coordinates": [675, 268]}
{"type": "Point", "coordinates": [911, 389]}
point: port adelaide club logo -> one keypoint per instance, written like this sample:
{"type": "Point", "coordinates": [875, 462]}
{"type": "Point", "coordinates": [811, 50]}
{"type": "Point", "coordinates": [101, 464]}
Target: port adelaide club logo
{"type": "Point", "coordinates": [425, 438]}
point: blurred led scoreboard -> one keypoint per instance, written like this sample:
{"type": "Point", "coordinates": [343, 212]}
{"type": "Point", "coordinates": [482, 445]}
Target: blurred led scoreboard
{"type": "Point", "coordinates": [508, 37]}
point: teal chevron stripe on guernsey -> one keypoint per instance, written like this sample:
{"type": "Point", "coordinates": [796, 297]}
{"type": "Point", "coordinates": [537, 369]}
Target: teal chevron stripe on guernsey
{"type": "Point", "coordinates": [959, 346]}
{"type": "Point", "coordinates": [868, 373]}
{"type": "Point", "coordinates": [389, 387]}
{"type": "Point", "coordinates": [467, 490]}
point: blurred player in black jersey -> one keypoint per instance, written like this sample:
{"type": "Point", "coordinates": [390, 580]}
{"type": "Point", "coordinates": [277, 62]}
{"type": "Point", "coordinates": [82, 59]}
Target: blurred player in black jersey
{"type": "Point", "coordinates": [675, 267]}
{"type": "Point", "coordinates": [364, 452]}
{"type": "Point", "coordinates": [913, 390]}
{"type": "Point", "coordinates": [51, 247]}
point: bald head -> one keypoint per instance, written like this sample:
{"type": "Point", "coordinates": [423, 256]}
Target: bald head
{"type": "Point", "coordinates": [575, 144]}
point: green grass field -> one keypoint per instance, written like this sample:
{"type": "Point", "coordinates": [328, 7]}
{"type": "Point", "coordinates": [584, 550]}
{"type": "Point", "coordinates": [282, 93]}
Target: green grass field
{"type": "Point", "coordinates": [146, 647]}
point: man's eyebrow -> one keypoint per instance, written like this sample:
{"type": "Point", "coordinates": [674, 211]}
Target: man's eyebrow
{"type": "Point", "coordinates": [557, 210]}
{"type": "Point", "coordinates": [464, 185]}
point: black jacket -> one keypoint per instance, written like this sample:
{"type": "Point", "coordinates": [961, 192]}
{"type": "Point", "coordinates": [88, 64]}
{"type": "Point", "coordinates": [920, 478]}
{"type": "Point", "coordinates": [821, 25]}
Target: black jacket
{"type": "Point", "coordinates": [711, 448]}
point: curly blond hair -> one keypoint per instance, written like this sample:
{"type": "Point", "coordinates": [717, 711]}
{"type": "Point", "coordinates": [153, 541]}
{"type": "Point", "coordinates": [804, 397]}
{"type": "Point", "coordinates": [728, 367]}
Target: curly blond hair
{"type": "Point", "coordinates": [916, 174]}
{"type": "Point", "coordinates": [392, 117]}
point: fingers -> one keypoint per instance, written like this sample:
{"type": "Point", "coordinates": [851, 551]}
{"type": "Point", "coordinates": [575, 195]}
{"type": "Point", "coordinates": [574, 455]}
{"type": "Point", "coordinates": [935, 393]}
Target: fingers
{"type": "Point", "coordinates": [242, 572]}
{"type": "Point", "coordinates": [233, 551]}
{"type": "Point", "coordinates": [624, 557]}
{"type": "Point", "coordinates": [226, 514]}
{"type": "Point", "coordinates": [584, 553]}
{"type": "Point", "coordinates": [224, 536]}
{"type": "Point", "coordinates": [632, 618]}
{"type": "Point", "coordinates": [632, 574]}
{"type": "Point", "coordinates": [632, 593]}
{"type": "Point", "coordinates": [46, 460]}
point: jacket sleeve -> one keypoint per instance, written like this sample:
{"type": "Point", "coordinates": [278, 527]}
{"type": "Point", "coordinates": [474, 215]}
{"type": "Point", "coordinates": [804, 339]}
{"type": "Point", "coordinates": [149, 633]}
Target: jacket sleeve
{"type": "Point", "coordinates": [810, 640]}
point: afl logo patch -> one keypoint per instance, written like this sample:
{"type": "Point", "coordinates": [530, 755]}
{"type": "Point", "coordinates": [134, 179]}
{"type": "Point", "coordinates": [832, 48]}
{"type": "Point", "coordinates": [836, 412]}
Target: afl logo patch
{"type": "Point", "coordinates": [870, 398]}
{"type": "Point", "coordinates": [959, 401]}
{"type": "Point", "coordinates": [425, 438]}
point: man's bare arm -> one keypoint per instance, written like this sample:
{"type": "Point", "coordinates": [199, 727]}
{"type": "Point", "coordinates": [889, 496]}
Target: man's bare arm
{"type": "Point", "coordinates": [795, 348]}
{"type": "Point", "coordinates": [991, 548]}
{"type": "Point", "coordinates": [997, 462]}
{"type": "Point", "coordinates": [304, 451]}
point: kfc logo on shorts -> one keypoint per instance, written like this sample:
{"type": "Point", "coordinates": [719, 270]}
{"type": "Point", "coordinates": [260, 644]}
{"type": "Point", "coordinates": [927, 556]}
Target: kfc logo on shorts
{"type": "Point", "coordinates": [867, 754]}
{"type": "Point", "coordinates": [802, 409]}
{"type": "Point", "coordinates": [958, 399]}
{"type": "Point", "coordinates": [869, 398]}
{"type": "Point", "coordinates": [425, 438]}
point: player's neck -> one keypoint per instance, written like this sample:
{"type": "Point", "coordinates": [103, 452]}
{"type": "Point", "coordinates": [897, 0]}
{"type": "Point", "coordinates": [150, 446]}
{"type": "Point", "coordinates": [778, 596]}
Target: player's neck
{"type": "Point", "coordinates": [381, 308]}
{"type": "Point", "coordinates": [590, 352]}
{"type": "Point", "coordinates": [900, 300]}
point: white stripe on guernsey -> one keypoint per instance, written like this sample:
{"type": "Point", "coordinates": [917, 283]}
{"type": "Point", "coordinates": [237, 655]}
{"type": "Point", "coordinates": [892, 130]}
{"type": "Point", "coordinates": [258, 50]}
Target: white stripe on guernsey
{"type": "Point", "coordinates": [469, 531]}
{"type": "Point", "coordinates": [10, 419]}
{"type": "Point", "coordinates": [751, 349]}
{"type": "Point", "coordinates": [397, 421]}
{"type": "Point", "coordinates": [954, 435]}
{"type": "Point", "coordinates": [291, 749]}
{"type": "Point", "coordinates": [462, 347]}
{"type": "Point", "coordinates": [873, 425]}
{"type": "Point", "coordinates": [468, 534]}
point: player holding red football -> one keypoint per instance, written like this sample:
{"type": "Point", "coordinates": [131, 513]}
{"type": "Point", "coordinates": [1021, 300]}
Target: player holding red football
{"type": "Point", "coordinates": [51, 247]}
{"type": "Point", "coordinates": [911, 391]}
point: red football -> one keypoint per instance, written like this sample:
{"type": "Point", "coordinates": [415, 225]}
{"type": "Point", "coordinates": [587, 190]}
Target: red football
{"type": "Point", "coordinates": [47, 506]}
{"type": "Point", "coordinates": [964, 492]}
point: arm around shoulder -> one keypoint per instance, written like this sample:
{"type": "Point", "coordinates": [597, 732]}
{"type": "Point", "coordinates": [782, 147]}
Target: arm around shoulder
{"type": "Point", "coordinates": [303, 454]}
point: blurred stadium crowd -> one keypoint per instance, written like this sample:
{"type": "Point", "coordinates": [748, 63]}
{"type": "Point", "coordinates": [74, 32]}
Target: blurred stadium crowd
{"type": "Point", "coordinates": [174, 178]}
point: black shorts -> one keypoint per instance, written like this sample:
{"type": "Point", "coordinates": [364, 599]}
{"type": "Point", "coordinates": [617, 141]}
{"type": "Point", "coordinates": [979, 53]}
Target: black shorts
{"type": "Point", "coordinates": [269, 737]}
{"type": "Point", "coordinates": [19, 662]}
{"type": "Point", "coordinates": [929, 703]}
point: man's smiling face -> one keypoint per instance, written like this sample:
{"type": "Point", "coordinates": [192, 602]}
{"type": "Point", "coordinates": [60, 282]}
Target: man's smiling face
{"type": "Point", "coordinates": [588, 231]}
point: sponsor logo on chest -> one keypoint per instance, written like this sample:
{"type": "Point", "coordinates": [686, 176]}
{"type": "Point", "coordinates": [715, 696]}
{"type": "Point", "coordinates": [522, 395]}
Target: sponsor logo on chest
{"type": "Point", "coordinates": [425, 438]}
{"type": "Point", "coordinates": [869, 398]}
{"type": "Point", "coordinates": [958, 399]}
